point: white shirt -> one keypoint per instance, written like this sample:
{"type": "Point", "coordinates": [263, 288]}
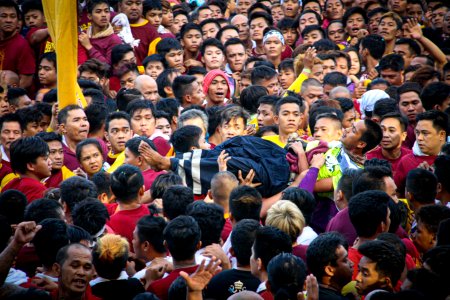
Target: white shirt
{"type": "Point", "coordinates": [307, 236]}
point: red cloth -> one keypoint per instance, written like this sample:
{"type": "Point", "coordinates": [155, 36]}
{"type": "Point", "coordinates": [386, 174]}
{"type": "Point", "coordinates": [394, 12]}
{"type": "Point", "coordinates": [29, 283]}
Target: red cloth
{"type": "Point", "coordinates": [161, 287]}
{"type": "Point", "coordinates": [266, 295]}
{"type": "Point", "coordinates": [411, 250]}
{"type": "Point", "coordinates": [355, 257]}
{"type": "Point", "coordinates": [162, 146]}
{"type": "Point", "coordinates": [406, 164]}
{"type": "Point", "coordinates": [114, 83]}
{"type": "Point", "coordinates": [4, 170]}
{"type": "Point", "coordinates": [70, 159]}
{"type": "Point", "coordinates": [102, 47]}
{"type": "Point", "coordinates": [410, 137]}
{"type": "Point", "coordinates": [32, 188]}
{"type": "Point", "coordinates": [54, 180]}
{"type": "Point", "coordinates": [16, 55]}
{"type": "Point", "coordinates": [27, 260]}
{"type": "Point", "coordinates": [376, 153]}
{"type": "Point", "coordinates": [227, 228]}
{"type": "Point", "coordinates": [150, 176]}
{"type": "Point", "coordinates": [123, 222]}
{"type": "Point", "coordinates": [87, 295]}
{"type": "Point", "coordinates": [146, 33]}
{"type": "Point", "coordinates": [209, 77]}
{"type": "Point", "coordinates": [300, 251]}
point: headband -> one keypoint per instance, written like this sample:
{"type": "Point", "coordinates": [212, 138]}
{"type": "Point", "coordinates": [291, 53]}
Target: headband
{"type": "Point", "coordinates": [273, 33]}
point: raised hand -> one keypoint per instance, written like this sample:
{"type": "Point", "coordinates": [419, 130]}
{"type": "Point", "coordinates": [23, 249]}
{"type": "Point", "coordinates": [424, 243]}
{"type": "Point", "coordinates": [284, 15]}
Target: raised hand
{"type": "Point", "coordinates": [222, 160]}
{"type": "Point", "coordinates": [248, 179]}
{"type": "Point", "coordinates": [201, 277]}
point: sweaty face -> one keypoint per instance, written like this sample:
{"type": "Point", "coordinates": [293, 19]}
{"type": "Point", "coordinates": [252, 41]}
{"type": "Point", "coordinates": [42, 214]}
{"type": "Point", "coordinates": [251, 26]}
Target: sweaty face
{"type": "Point", "coordinates": [213, 58]}
{"type": "Point", "coordinates": [119, 132]}
{"type": "Point", "coordinates": [265, 115]}
{"type": "Point", "coordinates": [204, 14]}
{"type": "Point", "coordinates": [236, 57]}
{"type": "Point", "coordinates": [143, 122]}
{"type": "Point", "coordinates": [163, 125]}
{"type": "Point", "coordinates": [288, 118]}
{"type": "Point", "coordinates": [47, 73]}
{"type": "Point", "coordinates": [393, 135]}
{"type": "Point", "coordinates": [77, 270]}
{"type": "Point", "coordinates": [277, 14]}
{"type": "Point", "coordinates": [368, 279]}
{"type": "Point", "coordinates": [197, 97]}
{"type": "Point", "coordinates": [414, 11]}
{"type": "Point", "coordinates": [312, 94]}
{"type": "Point", "coordinates": [235, 127]}
{"type": "Point", "coordinates": [273, 47]}
{"type": "Point", "coordinates": [429, 139]}
{"type": "Point", "coordinates": [327, 130]}
{"type": "Point", "coordinates": [91, 159]}
{"type": "Point", "coordinates": [351, 137]}
{"type": "Point", "coordinates": [423, 239]}
{"type": "Point", "coordinates": [336, 32]}
{"type": "Point", "coordinates": [410, 106]}
{"type": "Point", "coordinates": [373, 23]}
{"type": "Point", "coordinates": [154, 68]}
{"type": "Point", "coordinates": [218, 90]}
{"type": "Point", "coordinates": [76, 127]}
{"type": "Point", "coordinates": [393, 77]}
{"type": "Point", "coordinates": [56, 155]}
{"type": "Point", "coordinates": [437, 17]}
{"type": "Point", "coordinates": [397, 6]}
{"type": "Point", "coordinates": [132, 9]}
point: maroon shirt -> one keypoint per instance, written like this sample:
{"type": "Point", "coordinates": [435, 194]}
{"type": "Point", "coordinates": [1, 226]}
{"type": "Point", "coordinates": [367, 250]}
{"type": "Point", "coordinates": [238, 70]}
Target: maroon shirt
{"type": "Point", "coordinates": [145, 33]}
{"type": "Point", "coordinates": [161, 287]}
{"type": "Point", "coordinates": [16, 55]}
{"type": "Point", "coordinates": [342, 224]}
{"type": "Point", "coordinates": [150, 176]}
{"type": "Point", "coordinates": [377, 153]}
{"type": "Point", "coordinates": [32, 188]}
{"type": "Point", "coordinates": [70, 159]}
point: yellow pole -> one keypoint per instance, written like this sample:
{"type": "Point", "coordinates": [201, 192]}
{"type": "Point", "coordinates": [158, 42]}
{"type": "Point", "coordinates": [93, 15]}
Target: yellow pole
{"type": "Point", "coordinates": [62, 22]}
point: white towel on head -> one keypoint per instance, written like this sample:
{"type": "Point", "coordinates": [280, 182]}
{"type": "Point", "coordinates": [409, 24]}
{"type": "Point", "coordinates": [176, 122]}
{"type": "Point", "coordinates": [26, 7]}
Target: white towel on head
{"type": "Point", "coordinates": [369, 99]}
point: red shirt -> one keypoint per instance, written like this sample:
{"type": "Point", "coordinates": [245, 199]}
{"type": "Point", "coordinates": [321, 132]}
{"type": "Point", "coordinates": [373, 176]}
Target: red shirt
{"type": "Point", "coordinates": [377, 153]}
{"type": "Point", "coordinates": [16, 55]}
{"type": "Point", "coordinates": [87, 295]}
{"type": "Point", "coordinates": [4, 170]}
{"type": "Point", "coordinates": [150, 176]}
{"type": "Point", "coordinates": [266, 295]}
{"type": "Point", "coordinates": [355, 257]}
{"type": "Point", "coordinates": [123, 222]}
{"type": "Point", "coordinates": [32, 188]}
{"type": "Point", "coordinates": [227, 228]}
{"type": "Point", "coordinates": [161, 287]}
{"type": "Point", "coordinates": [162, 146]}
{"type": "Point", "coordinates": [70, 159]}
{"type": "Point", "coordinates": [145, 33]}
{"type": "Point", "coordinates": [54, 180]}
{"type": "Point", "coordinates": [406, 164]}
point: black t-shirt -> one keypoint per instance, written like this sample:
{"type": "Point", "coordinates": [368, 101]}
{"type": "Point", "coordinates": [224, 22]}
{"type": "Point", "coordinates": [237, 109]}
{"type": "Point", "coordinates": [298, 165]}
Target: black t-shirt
{"type": "Point", "coordinates": [329, 294]}
{"type": "Point", "coordinates": [230, 282]}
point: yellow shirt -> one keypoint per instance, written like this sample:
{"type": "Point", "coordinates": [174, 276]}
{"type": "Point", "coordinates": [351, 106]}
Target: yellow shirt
{"type": "Point", "coordinates": [117, 163]}
{"type": "Point", "coordinates": [274, 139]}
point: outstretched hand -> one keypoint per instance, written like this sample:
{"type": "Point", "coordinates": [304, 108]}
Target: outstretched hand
{"type": "Point", "coordinates": [222, 160]}
{"type": "Point", "coordinates": [201, 277]}
{"type": "Point", "coordinates": [248, 181]}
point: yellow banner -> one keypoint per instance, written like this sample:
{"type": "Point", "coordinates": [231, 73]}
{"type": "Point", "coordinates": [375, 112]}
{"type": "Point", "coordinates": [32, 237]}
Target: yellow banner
{"type": "Point", "coordinates": [62, 22]}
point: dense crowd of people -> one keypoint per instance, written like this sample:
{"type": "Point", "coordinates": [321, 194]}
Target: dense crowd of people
{"type": "Point", "coordinates": [229, 149]}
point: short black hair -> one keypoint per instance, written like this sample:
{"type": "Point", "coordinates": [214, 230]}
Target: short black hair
{"type": "Point", "coordinates": [151, 5]}
{"type": "Point", "coordinates": [41, 209]}
{"type": "Point", "coordinates": [86, 142]}
{"type": "Point", "coordinates": [188, 27]}
{"type": "Point", "coordinates": [335, 79]}
{"type": "Point", "coordinates": [408, 87]}
{"type": "Point", "coordinates": [245, 203]}
{"type": "Point", "coordinates": [270, 241]}
{"type": "Point", "coordinates": [49, 136]}
{"type": "Point", "coordinates": [434, 94]}
{"type": "Point", "coordinates": [186, 137]}
{"type": "Point", "coordinates": [182, 235]}
{"type": "Point", "coordinates": [286, 23]}
{"type": "Point", "coordinates": [168, 105]}
{"type": "Point", "coordinates": [287, 100]}
{"type": "Point", "coordinates": [249, 97]}
{"type": "Point", "coordinates": [431, 216]}
{"type": "Point", "coordinates": [49, 239]}
{"type": "Point", "coordinates": [163, 81]}
{"type": "Point", "coordinates": [27, 150]}
{"type": "Point", "coordinates": [175, 200]}
{"type": "Point", "coordinates": [260, 14]}
{"type": "Point", "coordinates": [150, 229]}
{"type": "Point", "coordinates": [367, 210]}
{"type": "Point", "coordinates": [14, 93]}
{"type": "Point", "coordinates": [262, 73]}
{"type": "Point", "coordinates": [385, 106]}
{"type": "Point", "coordinates": [117, 115]}
{"type": "Point", "coordinates": [138, 105]}
{"type": "Point", "coordinates": [322, 252]}
{"type": "Point", "coordinates": [286, 64]}
{"type": "Point", "coordinates": [197, 70]}
{"type": "Point", "coordinates": [12, 206]}
{"type": "Point", "coordinates": [162, 182]}
{"type": "Point", "coordinates": [345, 103]}
{"type": "Point", "coordinates": [11, 117]}
{"type": "Point", "coordinates": [102, 181]}
{"type": "Point", "coordinates": [413, 46]}
{"type": "Point", "coordinates": [392, 61]}
{"type": "Point", "coordinates": [96, 114]}
{"type": "Point", "coordinates": [441, 170]}
{"type": "Point", "coordinates": [31, 5]}
{"type": "Point", "coordinates": [303, 199]}
{"type": "Point", "coordinates": [389, 262]}
{"type": "Point", "coordinates": [64, 113]}
{"type": "Point", "coordinates": [166, 45]}
{"type": "Point", "coordinates": [345, 183]}
{"type": "Point", "coordinates": [209, 217]}
{"type": "Point", "coordinates": [400, 118]}
{"type": "Point", "coordinates": [375, 44]}
{"type": "Point", "coordinates": [224, 28]}
{"type": "Point", "coordinates": [325, 45]}
{"type": "Point", "coordinates": [242, 239]}
{"type": "Point", "coordinates": [63, 253]}
{"type": "Point", "coordinates": [372, 136]}
{"type": "Point", "coordinates": [118, 52]}
{"type": "Point", "coordinates": [308, 29]}
{"type": "Point", "coordinates": [133, 144]}
{"type": "Point", "coordinates": [154, 58]}
{"type": "Point", "coordinates": [75, 189]}
{"type": "Point", "coordinates": [211, 42]}
{"type": "Point", "coordinates": [126, 182]}
{"type": "Point", "coordinates": [91, 215]}
{"type": "Point", "coordinates": [438, 118]}
{"type": "Point", "coordinates": [30, 115]}
{"type": "Point", "coordinates": [182, 86]}
{"type": "Point", "coordinates": [371, 178]}
{"type": "Point", "coordinates": [422, 184]}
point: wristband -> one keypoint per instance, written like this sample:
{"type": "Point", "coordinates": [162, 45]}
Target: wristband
{"type": "Point", "coordinates": [306, 70]}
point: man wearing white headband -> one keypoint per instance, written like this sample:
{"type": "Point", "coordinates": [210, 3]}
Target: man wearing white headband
{"type": "Point", "coordinates": [274, 45]}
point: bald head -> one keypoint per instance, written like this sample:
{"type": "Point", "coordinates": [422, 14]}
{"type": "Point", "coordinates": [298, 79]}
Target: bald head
{"type": "Point", "coordinates": [11, 78]}
{"type": "Point", "coordinates": [148, 87]}
{"type": "Point", "coordinates": [222, 184]}
{"type": "Point", "coordinates": [246, 295]}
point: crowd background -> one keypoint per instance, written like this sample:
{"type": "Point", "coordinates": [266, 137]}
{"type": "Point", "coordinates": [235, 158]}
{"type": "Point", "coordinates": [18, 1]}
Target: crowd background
{"type": "Point", "coordinates": [248, 149]}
